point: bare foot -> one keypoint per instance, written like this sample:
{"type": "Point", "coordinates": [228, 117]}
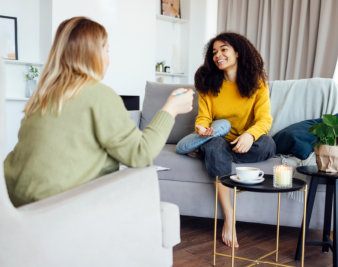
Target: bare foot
{"type": "Point", "coordinates": [195, 154]}
{"type": "Point", "coordinates": [227, 235]}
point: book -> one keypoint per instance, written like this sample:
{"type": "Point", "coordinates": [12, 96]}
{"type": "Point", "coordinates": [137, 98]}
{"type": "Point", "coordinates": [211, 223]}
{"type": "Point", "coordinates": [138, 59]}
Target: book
{"type": "Point", "coordinates": [158, 168]}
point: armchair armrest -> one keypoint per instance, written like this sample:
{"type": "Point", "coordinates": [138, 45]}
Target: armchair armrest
{"type": "Point", "coordinates": [112, 221]}
{"type": "Point", "coordinates": [170, 216]}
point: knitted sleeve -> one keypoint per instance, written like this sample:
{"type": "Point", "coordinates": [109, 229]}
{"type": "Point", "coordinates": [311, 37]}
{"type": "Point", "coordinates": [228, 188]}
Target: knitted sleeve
{"type": "Point", "coordinates": [262, 115]}
{"type": "Point", "coordinates": [121, 138]}
{"type": "Point", "coordinates": [204, 117]}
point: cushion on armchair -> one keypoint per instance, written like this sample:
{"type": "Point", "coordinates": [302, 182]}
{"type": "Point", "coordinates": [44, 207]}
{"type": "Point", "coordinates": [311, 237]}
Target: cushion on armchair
{"type": "Point", "coordinates": [155, 97]}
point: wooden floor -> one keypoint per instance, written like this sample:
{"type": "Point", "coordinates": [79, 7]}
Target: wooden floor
{"type": "Point", "coordinates": [255, 240]}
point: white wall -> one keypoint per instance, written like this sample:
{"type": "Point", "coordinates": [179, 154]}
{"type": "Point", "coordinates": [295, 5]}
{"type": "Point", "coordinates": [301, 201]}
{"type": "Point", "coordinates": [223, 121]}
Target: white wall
{"type": "Point", "coordinates": [3, 152]}
{"type": "Point", "coordinates": [196, 36]}
{"type": "Point", "coordinates": [203, 27]}
{"type": "Point", "coordinates": [28, 36]}
{"type": "Point", "coordinates": [133, 35]}
{"type": "Point", "coordinates": [28, 20]}
{"type": "Point", "coordinates": [45, 28]}
{"type": "Point", "coordinates": [131, 28]}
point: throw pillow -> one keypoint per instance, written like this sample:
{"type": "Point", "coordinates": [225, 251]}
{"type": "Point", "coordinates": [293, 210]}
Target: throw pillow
{"type": "Point", "coordinates": [295, 139]}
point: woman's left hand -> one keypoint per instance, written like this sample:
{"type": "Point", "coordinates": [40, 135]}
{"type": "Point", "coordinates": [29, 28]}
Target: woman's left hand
{"type": "Point", "coordinates": [243, 143]}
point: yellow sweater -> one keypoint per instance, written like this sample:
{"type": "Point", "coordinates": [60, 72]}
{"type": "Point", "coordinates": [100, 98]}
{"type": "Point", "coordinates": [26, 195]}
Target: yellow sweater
{"type": "Point", "coordinates": [251, 115]}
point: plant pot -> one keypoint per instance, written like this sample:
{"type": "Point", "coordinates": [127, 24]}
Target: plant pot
{"type": "Point", "coordinates": [327, 158]}
{"type": "Point", "coordinates": [30, 87]}
{"type": "Point", "coordinates": [159, 68]}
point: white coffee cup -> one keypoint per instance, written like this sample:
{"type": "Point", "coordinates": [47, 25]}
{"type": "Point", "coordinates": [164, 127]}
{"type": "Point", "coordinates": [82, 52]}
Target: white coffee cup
{"type": "Point", "coordinates": [248, 173]}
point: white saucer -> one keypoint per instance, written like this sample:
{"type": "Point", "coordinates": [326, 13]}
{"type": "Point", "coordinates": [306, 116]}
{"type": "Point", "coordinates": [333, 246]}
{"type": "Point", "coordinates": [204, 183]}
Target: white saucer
{"type": "Point", "coordinates": [236, 179]}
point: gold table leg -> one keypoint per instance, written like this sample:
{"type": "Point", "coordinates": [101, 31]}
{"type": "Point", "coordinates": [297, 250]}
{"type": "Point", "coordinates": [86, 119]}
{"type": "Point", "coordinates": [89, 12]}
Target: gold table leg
{"type": "Point", "coordinates": [277, 232]}
{"type": "Point", "coordinates": [260, 259]}
{"type": "Point", "coordinates": [233, 227]}
{"type": "Point", "coordinates": [215, 225]}
{"type": "Point", "coordinates": [304, 219]}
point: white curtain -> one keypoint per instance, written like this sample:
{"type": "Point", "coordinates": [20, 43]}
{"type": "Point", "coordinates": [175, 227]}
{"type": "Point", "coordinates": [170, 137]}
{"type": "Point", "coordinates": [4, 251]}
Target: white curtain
{"type": "Point", "coordinates": [296, 38]}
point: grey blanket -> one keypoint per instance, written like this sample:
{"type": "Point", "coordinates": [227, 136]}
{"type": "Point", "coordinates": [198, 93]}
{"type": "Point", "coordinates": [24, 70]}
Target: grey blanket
{"type": "Point", "coordinates": [297, 100]}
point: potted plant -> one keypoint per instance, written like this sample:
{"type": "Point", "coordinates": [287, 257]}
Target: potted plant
{"type": "Point", "coordinates": [326, 146]}
{"type": "Point", "coordinates": [160, 66]}
{"type": "Point", "coordinates": [31, 76]}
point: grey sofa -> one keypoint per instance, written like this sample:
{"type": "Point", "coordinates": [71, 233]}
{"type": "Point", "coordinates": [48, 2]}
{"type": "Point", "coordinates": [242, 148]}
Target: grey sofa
{"type": "Point", "coordinates": [187, 183]}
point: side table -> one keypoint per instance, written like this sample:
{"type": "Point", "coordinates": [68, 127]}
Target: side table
{"type": "Point", "coordinates": [265, 187]}
{"type": "Point", "coordinates": [330, 180]}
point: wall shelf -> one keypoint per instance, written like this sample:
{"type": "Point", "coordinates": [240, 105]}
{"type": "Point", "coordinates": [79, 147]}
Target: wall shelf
{"type": "Point", "coordinates": [171, 19]}
{"type": "Point", "coordinates": [16, 99]}
{"type": "Point", "coordinates": [172, 39]}
{"type": "Point", "coordinates": [21, 62]}
{"type": "Point", "coordinates": [170, 74]}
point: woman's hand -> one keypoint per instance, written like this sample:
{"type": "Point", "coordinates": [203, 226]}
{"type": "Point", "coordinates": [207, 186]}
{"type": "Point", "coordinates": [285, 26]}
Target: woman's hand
{"type": "Point", "coordinates": [179, 102]}
{"type": "Point", "coordinates": [204, 132]}
{"type": "Point", "coordinates": [243, 143]}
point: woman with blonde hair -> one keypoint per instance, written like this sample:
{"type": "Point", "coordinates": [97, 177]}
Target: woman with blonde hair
{"type": "Point", "coordinates": [75, 128]}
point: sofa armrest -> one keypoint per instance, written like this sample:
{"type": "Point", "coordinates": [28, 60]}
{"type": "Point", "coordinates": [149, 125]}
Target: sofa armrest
{"type": "Point", "coordinates": [170, 216]}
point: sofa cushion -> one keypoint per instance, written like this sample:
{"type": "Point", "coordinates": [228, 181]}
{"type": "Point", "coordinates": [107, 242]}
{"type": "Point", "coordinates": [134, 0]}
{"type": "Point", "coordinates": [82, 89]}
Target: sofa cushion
{"type": "Point", "coordinates": [187, 169]}
{"type": "Point", "coordinates": [156, 95]}
{"type": "Point", "coordinates": [296, 139]}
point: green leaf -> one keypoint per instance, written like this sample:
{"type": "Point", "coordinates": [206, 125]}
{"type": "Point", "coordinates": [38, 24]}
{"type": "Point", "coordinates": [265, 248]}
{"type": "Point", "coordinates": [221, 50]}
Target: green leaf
{"type": "Point", "coordinates": [330, 141]}
{"type": "Point", "coordinates": [329, 120]}
{"type": "Point", "coordinates": [312, 127]}
{"type": "Point", "coordinates": [326, 131]}
{"type": "Point", "coordinates": [320, 132]}
{"type": "Point", "coordinates": [335, 129]}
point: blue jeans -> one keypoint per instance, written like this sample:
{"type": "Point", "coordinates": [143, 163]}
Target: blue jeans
{"type": "Point", "coordinates": [193, 141]}
{"type": "Point", "coordinates": [218, 154]}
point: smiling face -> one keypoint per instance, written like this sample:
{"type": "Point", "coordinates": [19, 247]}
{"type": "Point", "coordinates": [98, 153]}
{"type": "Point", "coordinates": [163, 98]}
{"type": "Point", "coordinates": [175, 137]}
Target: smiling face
{"type": "Point", "coordinates": [224, 56]}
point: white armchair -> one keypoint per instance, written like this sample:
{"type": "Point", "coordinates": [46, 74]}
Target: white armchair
{"type": "Point", "coordinates": [116, 220]}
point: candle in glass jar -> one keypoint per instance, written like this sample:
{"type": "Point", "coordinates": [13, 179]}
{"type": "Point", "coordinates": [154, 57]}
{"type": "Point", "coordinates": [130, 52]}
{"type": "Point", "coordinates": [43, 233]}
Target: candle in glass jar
{"type": "Point", "coordinates": [282, 176]}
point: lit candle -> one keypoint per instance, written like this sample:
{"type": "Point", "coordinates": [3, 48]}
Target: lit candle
{"type": "Point", "coordinates": [282, 176]}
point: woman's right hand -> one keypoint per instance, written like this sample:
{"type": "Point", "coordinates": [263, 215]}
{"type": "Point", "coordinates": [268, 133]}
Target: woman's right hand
{"type": "Point", "coordinates": [179, 104]}
{"type": "Point", "coordinates": [204, 132]}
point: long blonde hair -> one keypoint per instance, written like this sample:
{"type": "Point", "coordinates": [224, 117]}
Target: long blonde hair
{"type": "Point", "coordinates": [76, 58]}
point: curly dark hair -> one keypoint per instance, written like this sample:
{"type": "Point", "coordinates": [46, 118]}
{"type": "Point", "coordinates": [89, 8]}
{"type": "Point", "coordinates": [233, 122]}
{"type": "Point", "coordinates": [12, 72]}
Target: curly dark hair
{"type": "Point", "coordinates": [250, 67]}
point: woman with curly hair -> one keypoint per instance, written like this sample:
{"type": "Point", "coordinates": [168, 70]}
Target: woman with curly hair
{"type": "Point", "coordinates": [232, 86]}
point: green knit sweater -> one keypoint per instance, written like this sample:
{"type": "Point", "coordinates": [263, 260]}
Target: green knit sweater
{"type": "Point", "coordinates": [92, 134]}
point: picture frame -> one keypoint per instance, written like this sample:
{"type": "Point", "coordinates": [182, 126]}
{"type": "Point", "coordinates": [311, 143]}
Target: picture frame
{"type": "Point", "coordinates": [8, 37]}
{"type": "Point", "coordinates": [171, 8]}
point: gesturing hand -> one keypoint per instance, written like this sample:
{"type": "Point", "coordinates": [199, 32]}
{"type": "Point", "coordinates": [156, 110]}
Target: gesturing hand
{"type": "Point", "coordinates": [179, 101]}
{"type": "Point", "coordinates": [243, 143]}
{"type": "Point", "coordinates": [204, 132]}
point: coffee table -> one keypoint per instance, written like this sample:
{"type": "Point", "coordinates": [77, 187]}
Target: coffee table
{"type": "Point", "coordinates": [265, 187]}
{"type": "Point", "coordinates": [331, 182]}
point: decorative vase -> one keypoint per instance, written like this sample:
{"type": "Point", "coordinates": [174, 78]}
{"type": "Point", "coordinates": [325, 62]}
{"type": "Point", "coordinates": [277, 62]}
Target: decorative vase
{"type": "Point", "coordinates": [159, 68]}
{"type": "Point", "coordinates": [327, 158]}
{"type": "Point", "coordinates": [30, 87]}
